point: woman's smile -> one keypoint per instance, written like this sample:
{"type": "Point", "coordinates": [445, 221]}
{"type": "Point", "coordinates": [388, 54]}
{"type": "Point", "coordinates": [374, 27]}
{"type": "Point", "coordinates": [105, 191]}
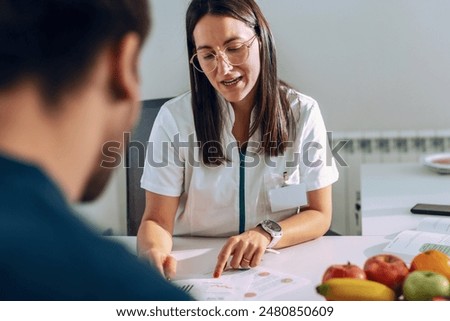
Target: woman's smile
{"type": "Point", "coordinates": [231, 82]}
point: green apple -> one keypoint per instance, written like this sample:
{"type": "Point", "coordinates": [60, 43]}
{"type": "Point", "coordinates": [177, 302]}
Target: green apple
{"type": "Point", "coordinates": [425, 285]}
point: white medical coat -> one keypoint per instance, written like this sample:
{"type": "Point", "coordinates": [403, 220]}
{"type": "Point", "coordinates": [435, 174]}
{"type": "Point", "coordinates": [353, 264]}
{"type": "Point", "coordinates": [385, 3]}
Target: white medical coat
{"type": "Point", "coordinates": [210, 195]}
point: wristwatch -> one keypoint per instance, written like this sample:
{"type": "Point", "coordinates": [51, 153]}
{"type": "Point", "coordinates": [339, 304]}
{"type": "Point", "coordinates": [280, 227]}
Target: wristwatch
{"type": "Point", "coordinates": [274, 229]}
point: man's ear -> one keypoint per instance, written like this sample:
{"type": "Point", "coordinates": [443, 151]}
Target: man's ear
{"type": "Point", "coordinates": [125, 80]}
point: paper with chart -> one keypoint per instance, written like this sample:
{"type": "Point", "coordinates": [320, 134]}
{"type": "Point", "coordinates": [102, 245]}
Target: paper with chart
{"type": "Point", "coordinates": [254, 284]}
{"type": "Point", "coordinates": [431, 233]}
{"type": "Point", "coordinates": [268, 284]}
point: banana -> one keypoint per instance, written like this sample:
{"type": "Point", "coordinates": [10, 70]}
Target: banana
{"type": "Point", "coordinates": [348, 289]}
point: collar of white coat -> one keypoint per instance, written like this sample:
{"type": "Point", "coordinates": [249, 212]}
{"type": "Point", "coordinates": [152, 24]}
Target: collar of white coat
{"type": "Point", "coordinates": [229, 118]}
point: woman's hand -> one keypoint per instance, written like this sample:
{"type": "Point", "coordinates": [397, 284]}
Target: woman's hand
{"type": "Point", "coordinates": [164, 263]}
{"type": "Point", "coordinates": [246, 250]}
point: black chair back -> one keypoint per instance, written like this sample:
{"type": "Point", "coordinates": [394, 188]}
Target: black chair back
{"type": "Point", "coordinates": [135, 160]}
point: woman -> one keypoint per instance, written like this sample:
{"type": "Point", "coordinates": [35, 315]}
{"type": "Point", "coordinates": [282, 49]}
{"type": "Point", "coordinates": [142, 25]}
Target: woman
{"type": "Point", "coordinates": [219, 150]}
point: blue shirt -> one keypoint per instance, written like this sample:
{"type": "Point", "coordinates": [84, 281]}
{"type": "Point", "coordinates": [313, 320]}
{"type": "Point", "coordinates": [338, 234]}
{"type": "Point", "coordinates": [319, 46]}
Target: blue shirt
{"type": "Point", "coordinates": [46, 253]}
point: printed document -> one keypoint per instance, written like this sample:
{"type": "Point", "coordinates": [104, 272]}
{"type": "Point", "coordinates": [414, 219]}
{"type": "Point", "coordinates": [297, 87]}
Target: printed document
{"type": "Point", "coordinates": [431, 233]}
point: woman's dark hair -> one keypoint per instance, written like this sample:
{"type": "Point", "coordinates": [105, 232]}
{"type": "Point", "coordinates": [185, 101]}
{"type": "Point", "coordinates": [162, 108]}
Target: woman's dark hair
{"type": "Point", "coordinates": [272, 108]}
{"type": "Point", "coordinates": [56, 41]}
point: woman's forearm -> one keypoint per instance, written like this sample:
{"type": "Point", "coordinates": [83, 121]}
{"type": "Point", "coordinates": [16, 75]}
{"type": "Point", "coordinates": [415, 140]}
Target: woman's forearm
{"type": "Point", "coordinates": [152, 236]}
{"type": "Point", "coordinates": [311, 222]}
{"type": "Point", "coordinates": [303, 227]}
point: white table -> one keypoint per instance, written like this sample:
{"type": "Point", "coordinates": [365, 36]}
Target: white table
{"type": "Point", "coordinates": [308, 260]}
{"type": "Point", "coordinates": [388, 191]}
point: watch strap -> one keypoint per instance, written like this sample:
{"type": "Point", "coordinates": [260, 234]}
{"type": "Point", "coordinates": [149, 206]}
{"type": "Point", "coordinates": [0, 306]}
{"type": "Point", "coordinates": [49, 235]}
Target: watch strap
{"type": "Point", "coordinates": [274, 241]}
{"type": "Point", "coordinates": [275, 235]}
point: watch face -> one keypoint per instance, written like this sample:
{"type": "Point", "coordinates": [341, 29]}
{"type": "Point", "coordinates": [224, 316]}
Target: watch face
{"type": "Point", "coordinates": [274, 226]}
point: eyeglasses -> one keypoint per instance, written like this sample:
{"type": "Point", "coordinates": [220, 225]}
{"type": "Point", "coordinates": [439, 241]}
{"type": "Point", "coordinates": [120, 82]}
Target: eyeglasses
{"type": "Point", "coordinates": [235, 54]}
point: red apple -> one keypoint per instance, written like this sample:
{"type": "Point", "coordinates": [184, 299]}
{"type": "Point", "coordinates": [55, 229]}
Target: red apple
{"type": "Point", "coordinates": [387, 269]}
{"type": "Point", "coordinates": [344, 271]}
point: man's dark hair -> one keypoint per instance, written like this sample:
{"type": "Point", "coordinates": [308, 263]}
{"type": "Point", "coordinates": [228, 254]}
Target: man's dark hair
{"type": "Point", "coordinates": [56, 41]}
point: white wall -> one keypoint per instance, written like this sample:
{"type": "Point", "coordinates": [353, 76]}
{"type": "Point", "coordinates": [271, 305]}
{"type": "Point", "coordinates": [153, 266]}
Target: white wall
{"type": "Point", "coordinates": [372, 64]}
{"type": "Point", "coordinates": [164, 62]}
{"type": "Point", "coordinates": [377, 64]}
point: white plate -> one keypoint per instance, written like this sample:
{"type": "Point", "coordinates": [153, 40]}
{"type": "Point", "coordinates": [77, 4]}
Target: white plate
{"type": "Point", "coordinates": [439, 163]}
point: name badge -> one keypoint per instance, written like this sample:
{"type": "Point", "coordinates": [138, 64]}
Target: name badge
{"type": "Point", "coordinates": [287, 197]}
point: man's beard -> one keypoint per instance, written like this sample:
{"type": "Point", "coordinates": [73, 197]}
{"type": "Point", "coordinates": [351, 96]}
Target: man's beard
{"type": "Point", "coordinates": [96, 184]}
{"type": "Point", "coordinates": [107, 161]}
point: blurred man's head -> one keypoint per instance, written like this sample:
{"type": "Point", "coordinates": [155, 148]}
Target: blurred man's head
{"type": "Point", "coordinates": [77, 61]}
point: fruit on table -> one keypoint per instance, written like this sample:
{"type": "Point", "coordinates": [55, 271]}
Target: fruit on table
{"type": "Point", "coordinates": [425, 285]}
{"type": "Point", "coordinates": [387, 269]}
{"type": "Point", "coordinates": [432, 260]}
{"type": "Point", "coordinates": [350, 289]}
{"type": "Point", "coordinates": [344, 271]}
